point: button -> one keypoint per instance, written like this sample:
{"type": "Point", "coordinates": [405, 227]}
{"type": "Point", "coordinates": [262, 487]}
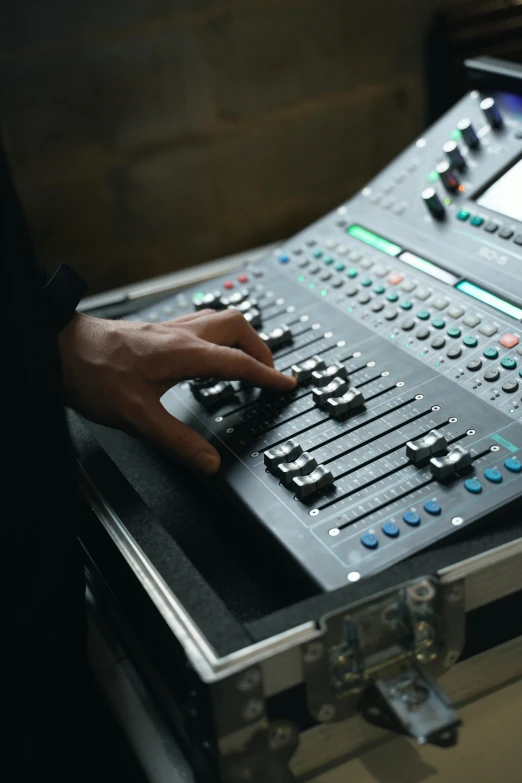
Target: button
{"type": "Point", "coordinates": [352, 272]}
{"type": "Point", "coordinates": [392, 296]}
{"type": "Point", "coordinates": [490, 226]}
{"type": "Point", "coordinates": [406, 304]}
{"type": "Point", "coordinates": [395, 278]}
{"type": "Point", "coordinates": [453, 331]}
{"type": "Point", "coordinates": [380, 270]}
{"type": "Point", "coordinates": [438, 342]}
{"type": "Point", "coordinates": [390, 529]}
{"type": "Point", "coordinates": [454, 352]}
{"type": "Point", "coordinates": [423, 315]}
{"type": "Point", "coordinates": [391, 313]}
{"type": "Point", "coordinates": [490, 353]}
{"type": "Point", "coordinates": [328, 261]}
{"type": "Point", "coordinates": [422, 334]}
{"type": "Point", "coordinates": [432, 507]}
{"type": "Point", "coordinates": [353, 255]}
{"type": "Point", "coordinates": [369, 541]}
{"type": "Point", "coordinates": [365, 281]}
{"type": "Point", "coordinates": [473, 486]}
{"type": "Point", "coordinates": [492, 374]}
{"type": "Point", "coordinates": [488, 329]}
{"type": "Point", "coordinates": [471, 320]}
{"type": "Point", "coordinates": [411, 518]}
{"type": "Point", "coordinates": [512, 464]}
{"type": "Point", "coordinates": [318, 254]}
{"type": "Point", "coordinates": [438, 323]}
{"type": "Point", "coordinates": [366, 263]}
{"type": "Point", "coordinates": [314, 269]}
{"type": "Point", "coordinates": [440, 302]}
{"type": "Point", "coordinates": [476, 220]}
{"type": "Point", "coordinates": [510, 386]}
{"type": "Point", "coordinates": [364, 299]}
{"type": "Point", "coordinates": [508, 363]}
{"type": "Point", "coordinates": [326, 276]}
{"type": "Point", "coordinates": [474, 364]}
{"type": "Point", "coordinates": [408, 286]}
{"type": "Point", "coordinates": [508, 340]}
{"type": "Point", "coordinates": [304, 263]}
{"type": "Point", "coordinates": [340, 267]}
{"type": "Point", "coordinates": [422, 293]}
{"type": "Point", "coordinates": [311, 242]}
{"type": "Point", "coordinates": [379, 289]}
{"type": "Point", "coordinates": [228, 285]}
{"type": "Point", "coordinates": [518, 239]}
{"type": "Point", "coordinates": [351, 290]}
{"type": "Point", "coordinates": [506, 233]}
{"type": "Point", "coordinates": [284, 259]}
{"type": "Point", "coordinates": [493, 475]}
{"type": "Point", "coordinates": [462, 215]}
{"type": "Point", "coordinates": [407, 325]}
{"type": "Point", "coordinates": [242, 278]}
{"type": "Point", "coordinates": [377, 306]}
{"type": "Point", "coordinates": [337, 282]}
{"type": "Point", "coordinates": [456, 311]}
{"type": "Point", "coordinates": [470, 341]}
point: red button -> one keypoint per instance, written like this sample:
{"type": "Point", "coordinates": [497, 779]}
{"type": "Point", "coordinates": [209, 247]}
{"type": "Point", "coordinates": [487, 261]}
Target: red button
{"type": "Point", "coordinates": [243, 278]}
{"type": "Point", "coordinates": [508, 340]}
{"type": "Point", "coordinates": [395, 278]}
{"type": "Point", "coordinates": [228, 284]}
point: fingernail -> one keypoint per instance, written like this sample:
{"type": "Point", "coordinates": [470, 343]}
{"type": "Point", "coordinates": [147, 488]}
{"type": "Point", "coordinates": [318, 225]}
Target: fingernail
{"type": "Point", "coordinates": [208, 461]}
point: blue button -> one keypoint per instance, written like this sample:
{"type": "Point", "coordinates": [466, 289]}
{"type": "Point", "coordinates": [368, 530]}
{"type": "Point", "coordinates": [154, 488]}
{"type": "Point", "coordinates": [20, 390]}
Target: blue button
{"type": "Point", "coordinates": [473, 486]}
{"type": "Point", "coordinates": [411, 518]}
{"type": "Point", "coordinates": [493, 475]}
{"type": "Point", "coordinates": [513, 465]}
{"type": "Point", "coordinates": [390, 529]}
{"type": "Point", "coordinates": [369, 541]}
{"type": "Point", "coordinates": [432, 507]}
{"type": "Point", "coordinates": [284, 259]}
{"type": "Point", "coordinates": [476, 220]}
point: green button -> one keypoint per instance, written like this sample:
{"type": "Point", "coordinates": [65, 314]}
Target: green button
{"type": "Point", "coordinates": [462, 215]}
{"type": "Point", "coordinates": [423, 315]}
{"type": "Point", "coordinates": [318, 254]}
{"type": "Point", "coordinates": [379, 289]}
{"type": "Point", "coordinates": [476, 220]}
{"type": "Point", "coordinates": [490, 353]}
{"type": "Point", "coordinates": [352, 272]}
{"type": "Point", "coordinates": [405, 304]}
{"type": "Point", "coordinates": [508, 363]}
{"type": "Point", "coordinates": [340, 266]}
{"type": "Point", "coordinates": [328, 260]}
{"type": "Point", "coordinates": [392, 296]}
{"type": "Point", "coordinates": [366, 281]}
{"type": "Point", "coordinates": [453, 331]}
{"type": "Point", "coordinates": [470, 341]}
{"type": "Point", "coordinates": [433, 176]}
{"type": "Point", "coordinates": [439, 323]}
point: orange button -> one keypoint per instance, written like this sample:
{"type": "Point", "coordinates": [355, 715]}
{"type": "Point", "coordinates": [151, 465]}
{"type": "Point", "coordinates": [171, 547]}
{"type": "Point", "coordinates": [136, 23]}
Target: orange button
{"type": "Point", "coordinates": [508, 340]}
{"type": "Point", "coordinates": [395, 278]}
{"type": "Point", "coordinates": [228, 284]}
{"type": "Point", "coordinates": [243, 278]}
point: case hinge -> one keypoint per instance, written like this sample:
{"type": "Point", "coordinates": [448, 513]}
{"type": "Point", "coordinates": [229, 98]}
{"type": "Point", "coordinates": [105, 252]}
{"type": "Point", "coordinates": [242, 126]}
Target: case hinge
{"type": "Point", "coordinates": [380, 657]}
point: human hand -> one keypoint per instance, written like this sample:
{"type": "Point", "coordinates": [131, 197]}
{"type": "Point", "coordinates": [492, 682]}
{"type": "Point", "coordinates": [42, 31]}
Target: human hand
{"type": "Point", "coordinates": [116, 371]}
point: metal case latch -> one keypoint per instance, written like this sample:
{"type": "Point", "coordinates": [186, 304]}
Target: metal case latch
{"type": "Point", "coordinates": [381, 658]}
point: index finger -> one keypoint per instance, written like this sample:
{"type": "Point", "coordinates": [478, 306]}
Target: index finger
{"type": "Point", "coordinates": [230, 328]}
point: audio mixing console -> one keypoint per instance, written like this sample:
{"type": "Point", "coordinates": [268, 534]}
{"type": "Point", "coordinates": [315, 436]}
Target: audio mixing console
{"type": "Point", "coordinates": [400, 315]}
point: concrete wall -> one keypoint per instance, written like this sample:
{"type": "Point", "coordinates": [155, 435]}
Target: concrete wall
{"type": "Point", "coordinates": [148, 135]}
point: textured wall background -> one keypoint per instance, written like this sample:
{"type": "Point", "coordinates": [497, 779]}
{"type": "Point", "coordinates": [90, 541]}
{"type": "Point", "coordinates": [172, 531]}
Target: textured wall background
{"type": "Point", "coordinates": [148, 135]}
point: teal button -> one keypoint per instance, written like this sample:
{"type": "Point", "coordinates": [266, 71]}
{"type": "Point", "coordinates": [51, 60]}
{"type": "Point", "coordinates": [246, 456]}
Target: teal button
{"type": "Point", "coordinates": [379, 289]}
{"type": "Point", "coordinates": [423, 315]}
{"type": "Point", "coordinates": [328, 260]}
{"type": "Point", "coordinates": [513, 465]}
{"type": "Point", "coordinates": [473, 486]}
{"type": "Point", "coordinates": [470, 341]}
{"type": "Point", "coordinates": [392, 296]}
{"type": "Point", "coordinates": [453, 331]}
{"type": "Point", "coordinates": [352, 272]}
{"type": "Point", "coordinates": [508, 363]}
{"type": "Point", "coordinates": [462, 215]}
{"type": "Point", "coordinates": [438, 323]}
{"type": "Point", "coordinates": [340, 267]}
{"type": "Point", "coordinates": [490, 353]}
{"type": "Point", "coordinates": [366, 281]}
{"type": "Point", "coordinates": [476, 220]}
{"type": "Point", "coordinates": [318, 254]}
{"type": "Point", "coordinates": [405, 304]}
{"type": "Point", "coordinates": [493, 475]}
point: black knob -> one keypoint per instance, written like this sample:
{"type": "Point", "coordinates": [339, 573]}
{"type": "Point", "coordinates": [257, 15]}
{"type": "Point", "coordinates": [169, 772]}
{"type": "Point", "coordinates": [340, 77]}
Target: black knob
{"type": "Point", "coordinates": [433, 203]}
{"type": "Point", "coordinates": [447, 176]}
{"type": "Point", "coordinates": [455, 157]}
{"type": "Point", "coordinates": [468, 133]}
{"type": "Point", "coordinates": [493, 116]}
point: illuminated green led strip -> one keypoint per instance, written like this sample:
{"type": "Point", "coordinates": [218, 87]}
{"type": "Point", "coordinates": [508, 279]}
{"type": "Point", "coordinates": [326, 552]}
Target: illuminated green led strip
{"type": "Point", "coordinates": [490, 299]}
{"type": "Point", "coordinates": [374, 240]}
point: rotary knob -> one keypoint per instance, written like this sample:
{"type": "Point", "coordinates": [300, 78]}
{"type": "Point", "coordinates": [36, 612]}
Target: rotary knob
{"type": "Point", "coordinates": [493, 116]}
{"type": "Point", "coordinates": [447, 176]}
{"type": "Point", "coordinates": [433, 203]}
{"type": "Point", "coordinates": [452, 150]}
{"type": "Point", "coordinates": [468, 133]}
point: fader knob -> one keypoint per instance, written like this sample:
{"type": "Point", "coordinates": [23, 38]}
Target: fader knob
{"type": "Point", "coordinates": [447, 176]}
{"type": "Point", "coordinates": [468, 133]}
{"type": "Point", "coordinates": [493, 116]}
{"type": "Point", "coordinates": [317, 479]}
{"type": "Point", "coordinates": [417, 450]}
{"type": "Point", "coordinates": [303, 465]}
{"type": "Point", "coordinates": [433, 203]}
{"type": "Point", "coordinates": [452, 150]}
{"type": "Point", "coordinates": [455, 461]}
{"type": "Point", "coordinates": [286, 452]}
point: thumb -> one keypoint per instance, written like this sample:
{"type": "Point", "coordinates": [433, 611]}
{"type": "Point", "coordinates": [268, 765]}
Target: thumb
{"type": "Point", "coordinates": [185, 444]}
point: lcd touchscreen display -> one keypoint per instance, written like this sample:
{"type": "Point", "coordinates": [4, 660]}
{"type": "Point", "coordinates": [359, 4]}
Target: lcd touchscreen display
{"type": "Point", "coordinates": [505, 194]}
